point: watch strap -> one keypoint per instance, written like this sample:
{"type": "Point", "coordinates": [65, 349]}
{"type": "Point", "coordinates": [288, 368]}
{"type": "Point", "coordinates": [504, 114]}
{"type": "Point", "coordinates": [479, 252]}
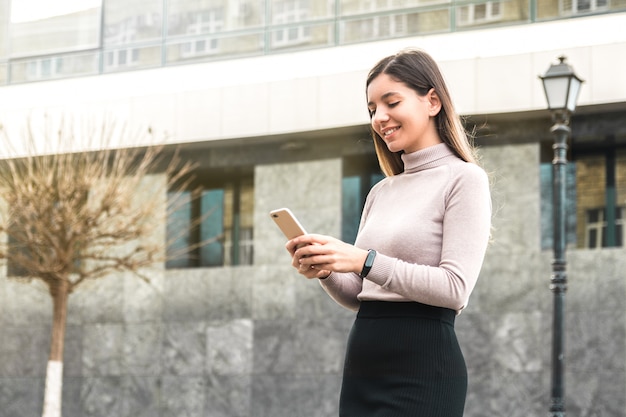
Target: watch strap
{"type": "Point", "coordinates": [369, 262]}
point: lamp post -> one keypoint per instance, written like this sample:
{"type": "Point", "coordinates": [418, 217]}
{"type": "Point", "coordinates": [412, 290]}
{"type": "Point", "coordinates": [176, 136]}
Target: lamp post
{"type": "Point", "coordinates": [561, 87]}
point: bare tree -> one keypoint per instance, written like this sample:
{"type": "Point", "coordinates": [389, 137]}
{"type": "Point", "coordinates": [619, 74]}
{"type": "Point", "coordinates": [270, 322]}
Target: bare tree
{"type": "Point", "coordinates": [74, 216]}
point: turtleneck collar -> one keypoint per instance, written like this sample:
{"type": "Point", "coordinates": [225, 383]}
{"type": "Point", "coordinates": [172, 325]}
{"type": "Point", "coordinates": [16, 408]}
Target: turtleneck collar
{"type": "Point", "coordinates": [426, 158]}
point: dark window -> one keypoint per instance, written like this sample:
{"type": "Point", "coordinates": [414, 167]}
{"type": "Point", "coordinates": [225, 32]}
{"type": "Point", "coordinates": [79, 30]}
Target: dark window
{"type": "Point", "coordinates": [359, 176]}
{"type": "Point", "coordinates": [212, 225]}
{"type": "Point", "coordinates": [547, 226]}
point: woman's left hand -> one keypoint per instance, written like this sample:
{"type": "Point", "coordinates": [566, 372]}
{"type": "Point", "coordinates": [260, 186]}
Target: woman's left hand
{"type": "Point", "coordinates": [325, 253]}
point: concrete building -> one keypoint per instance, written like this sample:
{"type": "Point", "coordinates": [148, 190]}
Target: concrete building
{"type": "Point", "coordinates": [268, 97]}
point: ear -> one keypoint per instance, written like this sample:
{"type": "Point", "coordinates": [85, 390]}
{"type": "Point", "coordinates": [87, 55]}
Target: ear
{"type": "Point", "coordinates": [435, 102]}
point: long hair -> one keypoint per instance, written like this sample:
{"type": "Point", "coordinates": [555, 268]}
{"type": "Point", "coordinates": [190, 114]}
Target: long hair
{"type": "Point", "coordinates": [420, 72]}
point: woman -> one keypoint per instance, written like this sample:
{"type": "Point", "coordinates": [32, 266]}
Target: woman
{"type": "Point", "coordinates": [421, 243]}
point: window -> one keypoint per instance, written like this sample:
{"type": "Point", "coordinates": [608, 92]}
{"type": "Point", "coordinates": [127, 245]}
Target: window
{"type": "Point", "coordinates": [596, 190]}
{"type": "Point", "coordinates": [377, 27]}
{"type": "Point", "coordinates": [44, 68]}
{"type": "Point", "coordinates": [360, 174]}
{"type": "Point", "coordinates": [471, 14]}
{"type": "Point", "coordinates": [569, 7]}
{"type": "Point", "coordinates": [126, 22]}
{"type": "Point", "coordinates": [547, 226]}
{"type": "Point", "coordinates": [212, 225]}
{"type": "Point", "coordinates": [286, 12]}
{"type": "Point", "coordinates": [604, 229]}
{"type": "Point", "coordinates": [205, 21]}
{"type": "Point", "coordinates": [122, 58]}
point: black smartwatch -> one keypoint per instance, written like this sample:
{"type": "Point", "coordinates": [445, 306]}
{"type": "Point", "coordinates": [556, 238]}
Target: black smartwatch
{"type": "Point", "coordinates": [369, 261]}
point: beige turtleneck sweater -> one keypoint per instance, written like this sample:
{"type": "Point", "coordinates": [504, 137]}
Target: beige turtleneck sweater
{"type": "Point", "coordinates": [430, 226]}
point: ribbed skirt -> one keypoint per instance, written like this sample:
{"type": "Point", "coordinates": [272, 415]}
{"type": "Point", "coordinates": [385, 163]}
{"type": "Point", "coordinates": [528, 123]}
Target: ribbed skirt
{"type": "Point", "coordinates": [403, 360]}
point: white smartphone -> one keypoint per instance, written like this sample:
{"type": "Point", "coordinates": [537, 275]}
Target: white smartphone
{"type": "Point", "coordinates": [287, 222]}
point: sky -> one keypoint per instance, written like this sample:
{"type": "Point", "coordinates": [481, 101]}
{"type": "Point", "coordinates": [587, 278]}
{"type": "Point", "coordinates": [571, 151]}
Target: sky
{"type": "Point", "coordinates": [27, 10]}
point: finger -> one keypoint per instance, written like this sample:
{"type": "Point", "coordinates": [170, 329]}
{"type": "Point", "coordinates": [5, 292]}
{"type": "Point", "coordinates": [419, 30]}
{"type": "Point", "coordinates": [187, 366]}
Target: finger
{"type": "Point", "coordinates": [310, 239]}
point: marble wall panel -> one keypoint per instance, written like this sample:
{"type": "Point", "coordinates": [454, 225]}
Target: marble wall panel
{"type": "Point", "coordinates": [295, 395]}
{"type": "Point", "coordinates": [143, 301]}
{"type": "Point", "coordinates": [310, 189]}
{"type": "Point", "coordinates": [511, 283]}
{"type": "Point", "coordinates": [229, 396]}
{"type": "Point", "coordinates": [187, 292]}
{"type": "Point", "coordinates": [101, 396]}
{"type": "Point", "coordinates": [20, 397]}
{"type": "Point", "coordinates": [273, 292]}
{"type": "Point", "coordinates": [142, 349]}
{"type": "Point", "coordinates": [141, 396]}
{"type": "Point", "coordinates": [98, 301]}
{"type": "Point", "coordinates": [103, 350]}
{"type": "Point", "coordinates": [20, 292]}
{"type": "Point", "coordinates": [184, 348]}
{"type": "Point", "coordinates": [275, 346]}
{"type": "Point", "coordinates": [183, 396]}
{"type": "Point", "coordinates": [314, 304]}
{"type": "Point", "coordinates": [73, 351]}
{"type": "Point", "coordinates": [230, 347]}
{"type": "Point", "coordinates": [24, 351]}
{"type": "Point", "coordinates": [514, 175]}
{"type": "Point", "coordinates": [230, 293]}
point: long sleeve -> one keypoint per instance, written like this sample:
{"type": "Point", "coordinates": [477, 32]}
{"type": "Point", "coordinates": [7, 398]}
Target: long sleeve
{"type": "Point", "coordinates": [430, 227]}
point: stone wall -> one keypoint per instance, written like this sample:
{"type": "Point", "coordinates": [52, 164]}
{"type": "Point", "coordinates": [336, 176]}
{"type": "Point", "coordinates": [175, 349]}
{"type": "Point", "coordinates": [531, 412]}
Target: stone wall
{"type": "Point", "coordinates": [261, 341]}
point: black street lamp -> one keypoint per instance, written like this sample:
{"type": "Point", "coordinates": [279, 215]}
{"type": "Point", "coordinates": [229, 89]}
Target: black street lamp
{"type": "Point", "coordinates": [561, 86]}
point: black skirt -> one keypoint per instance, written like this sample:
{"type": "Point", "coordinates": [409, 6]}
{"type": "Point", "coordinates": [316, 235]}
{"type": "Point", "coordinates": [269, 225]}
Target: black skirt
{"type": "Point", "coordinates": [403, 360]}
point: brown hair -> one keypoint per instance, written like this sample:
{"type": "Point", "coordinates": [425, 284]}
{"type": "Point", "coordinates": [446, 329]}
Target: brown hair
{"type": "Point", "coordinates": [420, 72]}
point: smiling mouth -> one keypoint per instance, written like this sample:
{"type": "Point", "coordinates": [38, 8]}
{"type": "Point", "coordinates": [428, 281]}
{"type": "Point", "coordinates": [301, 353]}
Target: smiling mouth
{"type": "Point", "coordinates": [389, 131]}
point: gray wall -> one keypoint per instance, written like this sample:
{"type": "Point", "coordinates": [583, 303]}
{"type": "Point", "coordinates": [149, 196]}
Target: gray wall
{"type": "Point", "coordinates": [262, 341]}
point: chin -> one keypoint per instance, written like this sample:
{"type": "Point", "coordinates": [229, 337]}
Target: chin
{"type": "Point", "coordinates": [393, 148]}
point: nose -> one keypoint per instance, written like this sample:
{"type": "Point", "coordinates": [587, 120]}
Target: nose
{"type": "Point", "coordinates": [380, 117]}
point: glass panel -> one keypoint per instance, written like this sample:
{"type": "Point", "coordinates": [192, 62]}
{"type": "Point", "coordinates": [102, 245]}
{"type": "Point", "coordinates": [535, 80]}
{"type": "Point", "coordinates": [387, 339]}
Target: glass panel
{"type": "Point", "coordinates": [132, 21]}
{"type": "Point", "coordinates": [352, 7]}
{"type": "Point", "coordinates": [4, 28]}
{"type": "Point", "coordinates": [214, 47]}
{"type": "Point", "coordinates": [379, 27]}
{"type": "Point", "coordinates": [289, 11]}
{"type": "Point", "coordinates": [591, 183]}
{"type": "Point", "coordinates": [350, 207]}
{"type": "Point", "coordinates": [40, 27]}
{"type": "Point", "coordinates": [246, 222]}
{"type": "Point", "coordinates": [302, 36]}
{"type": "Point", "coordinates": [3, 74]}
{"type": "Point", "coordinates": [212, 227]}
{"type": "Point", "coordinates": [593, 238]}
{"type": "Point", "coordinates": [549, 9]}
{"type": "Point", "coordinates": [193, 17]}
{"type": "Point", "coordinates": [492, 12]}
{"type": "Point", "coordinates": [131, 58]}
{"type": "Point", "coordinates": [56, 66]}
{"type": "Point", "coordinates": [547, 227]}
{"type": "Point", "coordinates": [178, 230]}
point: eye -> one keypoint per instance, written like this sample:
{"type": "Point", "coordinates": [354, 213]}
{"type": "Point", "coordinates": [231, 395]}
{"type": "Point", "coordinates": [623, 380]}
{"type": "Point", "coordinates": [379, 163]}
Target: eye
{"type": "Point", "coordinates": [394, 104]}
{"type": "Point", "coordinates": [371, 112]}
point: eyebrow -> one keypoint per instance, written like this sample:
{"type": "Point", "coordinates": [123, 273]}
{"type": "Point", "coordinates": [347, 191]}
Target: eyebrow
{"type": "Point", "coordinates": [385, 96]}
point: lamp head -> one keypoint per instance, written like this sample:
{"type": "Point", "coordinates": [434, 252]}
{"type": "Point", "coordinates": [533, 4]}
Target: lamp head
{"type": "Point", "coordinates": [561, 86]}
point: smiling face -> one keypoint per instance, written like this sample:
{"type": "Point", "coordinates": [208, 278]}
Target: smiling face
{"type": "Point", "coordinates": [400, 116]}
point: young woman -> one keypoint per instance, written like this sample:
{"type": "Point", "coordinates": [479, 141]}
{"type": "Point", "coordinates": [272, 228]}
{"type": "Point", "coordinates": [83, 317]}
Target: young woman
{"type": "Point", "coordinates": [421, 243]}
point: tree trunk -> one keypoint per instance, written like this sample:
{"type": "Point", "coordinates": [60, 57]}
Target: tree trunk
{"type": "Point", "coordinates": [54, 373]}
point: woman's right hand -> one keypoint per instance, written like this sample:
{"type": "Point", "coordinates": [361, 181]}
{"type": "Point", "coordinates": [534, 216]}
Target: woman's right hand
{"type": "Point", "coordinates": [316, 256]}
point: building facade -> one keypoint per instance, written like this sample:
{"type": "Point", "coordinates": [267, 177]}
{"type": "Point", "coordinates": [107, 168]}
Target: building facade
{"type": "Point", "coordinates": [268, 97]}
